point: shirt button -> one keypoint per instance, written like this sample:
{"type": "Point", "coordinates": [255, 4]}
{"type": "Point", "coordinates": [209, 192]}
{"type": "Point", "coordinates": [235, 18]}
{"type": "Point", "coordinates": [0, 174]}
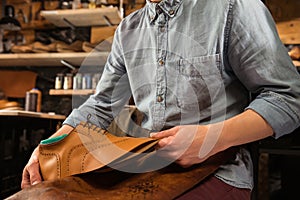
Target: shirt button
{"type": "Point", "coordinates": [158, 10]}
{"type": "Point", "coordinates": [162, 29]}
{"type": "Point", "coordinates": [161, 62]}
{"type": "Point", "coordinates": [159, 98]}
{"type": "Point", "coordinates": [151, 17]}
{"type": "Point", "coordinates": [171, 12]}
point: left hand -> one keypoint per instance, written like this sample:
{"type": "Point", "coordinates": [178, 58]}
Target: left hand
{"type": "Point", "coordinates": [189, 144]}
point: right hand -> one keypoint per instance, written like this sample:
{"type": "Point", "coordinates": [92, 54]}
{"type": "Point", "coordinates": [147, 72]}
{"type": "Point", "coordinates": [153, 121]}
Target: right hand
{"type": "Point", "coordinates": [31, 173]}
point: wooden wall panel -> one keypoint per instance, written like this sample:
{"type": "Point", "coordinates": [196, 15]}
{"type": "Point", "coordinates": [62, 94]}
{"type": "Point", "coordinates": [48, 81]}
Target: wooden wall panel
{"type": "Point", "coordinates": [286, 14]}
{"type": "Point", "coordinates": [283, 10]}
{"type": "Point", "coordinates": [289, 31]}
{"type": "Point", "coordinates": [1, 9]}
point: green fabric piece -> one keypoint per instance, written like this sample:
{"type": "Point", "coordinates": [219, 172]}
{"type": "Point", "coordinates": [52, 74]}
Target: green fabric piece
{"type": "Point", "coordinates": [54, 139]}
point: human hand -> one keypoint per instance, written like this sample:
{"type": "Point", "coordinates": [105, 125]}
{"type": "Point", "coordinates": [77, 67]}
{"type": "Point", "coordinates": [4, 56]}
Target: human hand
{"type": "Point", "coordinates": [189, 144]}
{"type": "Point", "coordinates": [31, 173]}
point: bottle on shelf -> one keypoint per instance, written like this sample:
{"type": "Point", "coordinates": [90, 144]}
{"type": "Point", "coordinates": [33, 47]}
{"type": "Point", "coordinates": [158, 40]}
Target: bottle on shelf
{"type": "Point", "coordinates": [76, 4]}
{"type": "Point", "coordinates": [68, 81]}
{"type": "Point", "coordinates": [87, 81]}
{"type": "Point", "coordinates": [59, 79]}
{"type": "Point", "coordinates": [92, 3]}
{"type": "Point", "coordinates": [33, 100]}
{"type": "Point", "coordinates": [77, 81]}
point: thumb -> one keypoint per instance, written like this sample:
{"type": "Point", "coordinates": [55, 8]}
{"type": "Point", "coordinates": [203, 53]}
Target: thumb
{"type": "Point", "coordinates": [165, 133]}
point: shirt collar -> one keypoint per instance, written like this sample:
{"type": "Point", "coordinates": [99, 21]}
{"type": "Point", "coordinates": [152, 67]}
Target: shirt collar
{"type": "Point", "coordinates": [169, 7]}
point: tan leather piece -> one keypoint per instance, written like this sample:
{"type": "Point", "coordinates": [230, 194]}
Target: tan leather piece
{"type": "Point", "coordinates": [55, 46]}
{"type": "Point", "coordinates": [21, 49]}
{"type": "Point", "coordinates": [76, 46]}
{"type": "Point", "coordinates": [39, 47]}
{"type": "Point", "coordinates": [167, 183]}
{"type": "Point", "coordinates": [5, 104]}
{"type": "Point", "coordinates": [88, 148]}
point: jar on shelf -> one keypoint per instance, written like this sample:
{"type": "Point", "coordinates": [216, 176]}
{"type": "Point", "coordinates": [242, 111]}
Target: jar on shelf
{"type": "Point", "coordinates": [76, 4]}
{"type": "Point", "coordinates": [33, 100]}
{"type": "Point", "coordinates": [68, 81]}
{"type": "Point", "coordinates": [85, 4]}
{"type": "Point", "coordinates": [92, 3]}
{"type": "Point", "coordinates": [59, 79]}
{"type": "Point", "coordinates": [87, 81]}
{"type": "Point", "coordinates": [95, 80]}
{"type": "Point", "coordinates": [77, 81]}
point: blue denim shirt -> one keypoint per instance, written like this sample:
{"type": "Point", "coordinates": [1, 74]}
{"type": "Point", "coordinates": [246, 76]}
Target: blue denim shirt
{"type": "Point", "coordinates": [197, 62]}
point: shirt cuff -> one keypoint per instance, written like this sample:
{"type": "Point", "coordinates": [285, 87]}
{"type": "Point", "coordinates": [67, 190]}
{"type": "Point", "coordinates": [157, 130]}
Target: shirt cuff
{"type": "Point", "coordinates": [277, 113]}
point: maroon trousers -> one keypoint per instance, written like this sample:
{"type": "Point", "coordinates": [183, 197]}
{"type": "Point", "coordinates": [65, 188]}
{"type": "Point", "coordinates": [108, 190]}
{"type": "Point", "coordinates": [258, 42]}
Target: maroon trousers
{"type": "Point", "coordinates": [214, 189]}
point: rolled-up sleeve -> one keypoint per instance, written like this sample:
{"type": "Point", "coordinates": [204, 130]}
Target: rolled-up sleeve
{"type": "Point", "coordinates": [112, 92]}
{"type": "Point", "coordinates": [262, 64]}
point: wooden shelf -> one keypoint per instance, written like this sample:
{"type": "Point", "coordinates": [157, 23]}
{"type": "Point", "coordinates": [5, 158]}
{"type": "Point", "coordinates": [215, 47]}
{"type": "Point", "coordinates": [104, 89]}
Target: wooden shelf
{"type": "Point", "coordinates": [53, 59]}
{"type": "Point", "coordinates": [37, 24]}
{"type": "Point", "coordinates": [71, 92]}
{"type": "Point", "coordinates": [21, 113]}
{"type": "Point", "coordinates": [83, 17]}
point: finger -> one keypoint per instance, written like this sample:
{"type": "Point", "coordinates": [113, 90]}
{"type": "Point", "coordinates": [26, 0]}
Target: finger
{"type": "Point", "coordinates": [34, 172]}
{"type": "Point", "coordinates": [165, 133]}
{"type": "Point", "coordinates": [25, 179]}
{"type": "Point", "coordinates": [35, 176]}
{"type": "Point", "coordinates": [164, 142]}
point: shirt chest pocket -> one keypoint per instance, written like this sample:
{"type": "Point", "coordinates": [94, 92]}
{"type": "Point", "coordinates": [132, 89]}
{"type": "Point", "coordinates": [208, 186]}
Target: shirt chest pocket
{"type": "Point", "coordinates": [199, 82]}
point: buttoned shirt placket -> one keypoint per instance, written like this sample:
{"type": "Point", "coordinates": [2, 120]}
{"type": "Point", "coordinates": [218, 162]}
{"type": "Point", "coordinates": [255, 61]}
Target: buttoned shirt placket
{"type": "Point", "coordinates": [161, 23]}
